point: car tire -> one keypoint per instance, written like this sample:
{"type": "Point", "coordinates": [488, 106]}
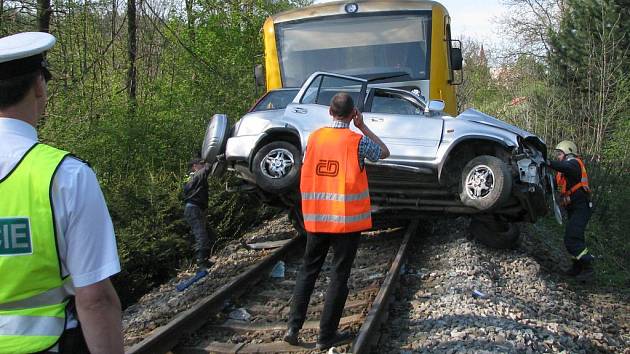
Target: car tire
{"type": "Point", "coordinates": [495, 233]}
{"type": "Point", "coordinates": [276, 167]}
{"type": "Point", "coordinates": [217, 134]}
{"type": "Point", "coordinates": [486, 183]}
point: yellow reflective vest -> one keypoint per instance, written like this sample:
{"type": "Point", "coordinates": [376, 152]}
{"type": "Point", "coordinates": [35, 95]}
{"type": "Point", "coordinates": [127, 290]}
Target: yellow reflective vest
{"type": "Point", "coordinates": [32, 295]}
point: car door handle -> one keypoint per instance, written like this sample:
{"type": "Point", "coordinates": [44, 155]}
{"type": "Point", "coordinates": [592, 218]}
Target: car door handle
{"type": "Point", "coordinates": [377, 119]}
{"type": "Point", "coordinates": [300, 110]}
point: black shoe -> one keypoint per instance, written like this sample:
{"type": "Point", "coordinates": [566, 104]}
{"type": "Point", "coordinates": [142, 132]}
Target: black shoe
{"type": "Point", "coordinates": [291, 336]}
{"type": "Point", "coordinates": [575, 269]}
{"type": "Point", "coordinates": [587, 273]}
{"type": "Point", "coordinates": [338, 338]}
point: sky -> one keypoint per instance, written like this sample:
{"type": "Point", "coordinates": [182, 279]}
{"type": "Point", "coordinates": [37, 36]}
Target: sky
{"type": "Point", "coordinates": [474, 19]}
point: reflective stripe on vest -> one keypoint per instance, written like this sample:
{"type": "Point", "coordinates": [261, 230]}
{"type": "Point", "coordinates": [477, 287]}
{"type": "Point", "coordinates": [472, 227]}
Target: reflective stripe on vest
{"type": "Point", "coordinates": [336, 197]}
{"type": "Point", "coordinates": [561, 181]}
{"type": "Point", "coordinates": [48, 298]}
{"type": "Point", "coordinates": [334, 188]}
{"type": "Point", "coordinates": [337, 218]}
{"type": "Point", "coordinates": [32, 295]}
{"type": "Point", "coordinates": [30, 326]}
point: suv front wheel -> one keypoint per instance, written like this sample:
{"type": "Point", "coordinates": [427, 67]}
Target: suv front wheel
{"type": "Point", "coordinates": [486, 183]}
{"type": "Point", "coordinates": [276, 167]}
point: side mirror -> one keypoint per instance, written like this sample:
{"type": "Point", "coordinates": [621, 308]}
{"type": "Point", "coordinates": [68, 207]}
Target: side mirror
{"type": "Point", "coordinates": [259, 75]}
{"type": "Point", "coordinates": [457, 62]}
{"type": "Point", "coordinates": [436, 106]}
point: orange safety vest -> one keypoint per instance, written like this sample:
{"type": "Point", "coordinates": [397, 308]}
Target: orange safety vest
{"type": "Point", "coordinates": [561, 181]}
{"type": "Point", "coordinates": [334, 188]}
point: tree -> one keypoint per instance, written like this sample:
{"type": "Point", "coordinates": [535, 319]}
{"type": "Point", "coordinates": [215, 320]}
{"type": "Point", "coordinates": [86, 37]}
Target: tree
{"type": "Point", "coordinates": [132, 47]}
{"type": "Point", "coordinates": [43, 15]}
{"type": "Point", "coordinates": [589, 59]}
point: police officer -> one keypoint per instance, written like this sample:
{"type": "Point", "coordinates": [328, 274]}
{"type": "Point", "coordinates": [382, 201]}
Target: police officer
{"type": "Point", "coordinates": [575, 197]}
{"type": "Point", "coordinates": [336, 208]}
{"type": "Point", "coordinates": [57, 244]}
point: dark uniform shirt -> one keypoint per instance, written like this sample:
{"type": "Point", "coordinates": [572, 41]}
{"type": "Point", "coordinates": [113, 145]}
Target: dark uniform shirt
{"type": "Point", "coordinates": [573, 173]}
{"type": "Point", "coordinates": [196, 187]}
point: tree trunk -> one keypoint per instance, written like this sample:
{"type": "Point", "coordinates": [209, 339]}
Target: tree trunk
{"type": "Point", "coordinates": [43, 15]}
{"type": "Point", "coordinates": [114, 14]}
{"type": "Point", "coordinates": [132, 47]}
{"type": "Point", "coordinates": [190, 20]}
{"type": "Point", "coordinates": [1, 16]}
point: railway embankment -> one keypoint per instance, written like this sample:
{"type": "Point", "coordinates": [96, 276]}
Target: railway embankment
{"type": "Point", "coordinates": [454, 295]}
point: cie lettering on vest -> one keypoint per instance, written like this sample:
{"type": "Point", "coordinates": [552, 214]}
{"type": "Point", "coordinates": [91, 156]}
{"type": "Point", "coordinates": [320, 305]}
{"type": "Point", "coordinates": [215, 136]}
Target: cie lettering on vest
{"type": "Point", "coordinates": [328, 168]}
{"type": "Point", "coordinates": [15, 237]}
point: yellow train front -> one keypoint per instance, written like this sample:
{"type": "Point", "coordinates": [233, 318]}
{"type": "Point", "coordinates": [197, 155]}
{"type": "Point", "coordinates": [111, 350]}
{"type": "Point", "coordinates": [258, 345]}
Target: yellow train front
{"type": "Point", "coordinates": [404, 44]}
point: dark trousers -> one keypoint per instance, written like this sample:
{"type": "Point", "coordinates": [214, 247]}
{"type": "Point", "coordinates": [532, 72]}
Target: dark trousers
{"type": "Point", "coordinates": [579, 215]}
{"type": "Point", "coordinates": [345, 249]}
{"type": "Point", "coordinates": [196, 218]}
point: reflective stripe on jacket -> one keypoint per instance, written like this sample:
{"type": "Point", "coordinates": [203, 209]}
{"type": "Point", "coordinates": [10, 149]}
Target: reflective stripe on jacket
{"type": "Point", "coordinates": [334, 188]}
{"type": "Point", "coordinates": [33, 298]}
{"type": "Point", "coordinates": [561, 181]}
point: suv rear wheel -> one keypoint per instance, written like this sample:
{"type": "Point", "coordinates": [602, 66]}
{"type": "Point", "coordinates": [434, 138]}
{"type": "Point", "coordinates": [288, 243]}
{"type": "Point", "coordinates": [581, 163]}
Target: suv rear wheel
{"type": "Point", "coordinates": [494, 232]}
{"type": "Point", "coordinates": [276, 167]}
{"type": "Point", "coordinates": [486, 183]}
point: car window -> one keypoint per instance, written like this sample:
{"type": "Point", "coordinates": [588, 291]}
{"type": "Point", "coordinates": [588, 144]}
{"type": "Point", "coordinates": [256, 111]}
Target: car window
{"type": "Point", "coordinates": [322, 90]}
{"type": "Point", "coordinates": [310, 96]}
{"type": "Point", "coordinates": [394, 103]}
{"type": "Point", "coordinates": [275, 100]}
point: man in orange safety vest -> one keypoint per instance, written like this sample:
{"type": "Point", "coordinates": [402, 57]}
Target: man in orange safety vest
{"type": "Point", "coordinates": [336, 208]}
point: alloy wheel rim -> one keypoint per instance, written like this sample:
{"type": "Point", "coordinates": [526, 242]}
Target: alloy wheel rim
{"type": "Point", "coordinates": [277, 163]}
{"type": "Point", "coordinates": [480, 182]}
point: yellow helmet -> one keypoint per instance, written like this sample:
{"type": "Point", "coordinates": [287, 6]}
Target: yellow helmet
{"type": "Point", "coordinates": [568, 147]}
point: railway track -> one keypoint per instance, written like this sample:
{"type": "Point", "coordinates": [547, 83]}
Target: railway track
{"type": "Point", "coordinates": [210, 326]}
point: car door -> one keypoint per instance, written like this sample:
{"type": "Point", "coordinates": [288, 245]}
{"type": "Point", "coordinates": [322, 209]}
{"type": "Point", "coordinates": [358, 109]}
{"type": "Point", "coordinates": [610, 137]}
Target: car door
{"type": "Point", "coordinates": [309, 110]}
{"type": "Point", "coordinates": [398, 119]}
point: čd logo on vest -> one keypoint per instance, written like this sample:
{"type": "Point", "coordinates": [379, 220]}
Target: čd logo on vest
{"type": "Point", "coordinates": [327, 168]}
{"type": "Point", "coordinates": [15, 236]}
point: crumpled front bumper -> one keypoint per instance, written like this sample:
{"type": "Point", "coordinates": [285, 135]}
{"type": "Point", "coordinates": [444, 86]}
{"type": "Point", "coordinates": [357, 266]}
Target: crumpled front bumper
{"type": "Point", "coordinates": [532, 187]}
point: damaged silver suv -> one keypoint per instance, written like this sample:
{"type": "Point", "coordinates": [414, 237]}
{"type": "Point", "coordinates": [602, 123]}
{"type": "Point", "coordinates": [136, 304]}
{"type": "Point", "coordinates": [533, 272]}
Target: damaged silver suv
{"type": "Point", "coordinates": [470, 164]}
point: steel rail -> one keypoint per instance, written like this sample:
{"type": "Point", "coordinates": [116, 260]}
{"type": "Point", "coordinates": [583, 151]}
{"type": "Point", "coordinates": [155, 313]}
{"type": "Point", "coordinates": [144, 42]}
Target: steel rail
{"type": "Point", "coordinates": [367, 334]}
{"type": "Point", "coordinates": [165, 338]}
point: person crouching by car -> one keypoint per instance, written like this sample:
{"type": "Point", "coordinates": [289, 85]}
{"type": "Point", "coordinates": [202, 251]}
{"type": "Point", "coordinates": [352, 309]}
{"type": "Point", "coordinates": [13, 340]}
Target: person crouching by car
{"type": "Point", "coordinates": [336, 208]}
{"type": "Point", "coordinates": [195, 209]}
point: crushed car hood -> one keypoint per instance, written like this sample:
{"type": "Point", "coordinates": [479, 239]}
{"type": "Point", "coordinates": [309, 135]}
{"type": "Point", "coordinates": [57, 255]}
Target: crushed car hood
{"type": "Point", "coordinates": [479, 117]}
{"type": "Point", "coordinates": [474, 115]}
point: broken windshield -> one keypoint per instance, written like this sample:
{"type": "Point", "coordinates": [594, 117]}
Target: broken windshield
{"type": "Point", "coordinates": [356, 45]}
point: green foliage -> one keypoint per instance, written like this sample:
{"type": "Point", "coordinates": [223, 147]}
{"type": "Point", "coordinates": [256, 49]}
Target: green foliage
{"type": "Point", "coordinates": [580, 91]}
{"type": "Point", "coordinates": [192, 63]}
{"type": "Point", "coordinates": [592, 32]}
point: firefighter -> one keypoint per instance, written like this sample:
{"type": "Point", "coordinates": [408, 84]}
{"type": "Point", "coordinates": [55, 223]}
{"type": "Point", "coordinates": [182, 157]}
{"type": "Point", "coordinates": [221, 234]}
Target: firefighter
{"type": "Point", "coordinates": [336, 208]}
{"type": "Point", "coordinates": [575, 197]}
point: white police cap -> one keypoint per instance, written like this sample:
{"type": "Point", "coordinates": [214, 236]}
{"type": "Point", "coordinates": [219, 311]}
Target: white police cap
{"type": "Point", "coordinates": [22, 53]}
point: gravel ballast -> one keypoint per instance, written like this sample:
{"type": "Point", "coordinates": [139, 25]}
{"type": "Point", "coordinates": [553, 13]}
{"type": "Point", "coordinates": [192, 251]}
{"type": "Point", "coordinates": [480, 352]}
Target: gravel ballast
{"type": "Point", "coordinates": [457, 296]}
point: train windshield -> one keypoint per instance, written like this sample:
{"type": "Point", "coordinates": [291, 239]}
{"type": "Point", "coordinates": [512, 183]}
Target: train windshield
{"type": "Point", "coordinates": [356, 45]}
